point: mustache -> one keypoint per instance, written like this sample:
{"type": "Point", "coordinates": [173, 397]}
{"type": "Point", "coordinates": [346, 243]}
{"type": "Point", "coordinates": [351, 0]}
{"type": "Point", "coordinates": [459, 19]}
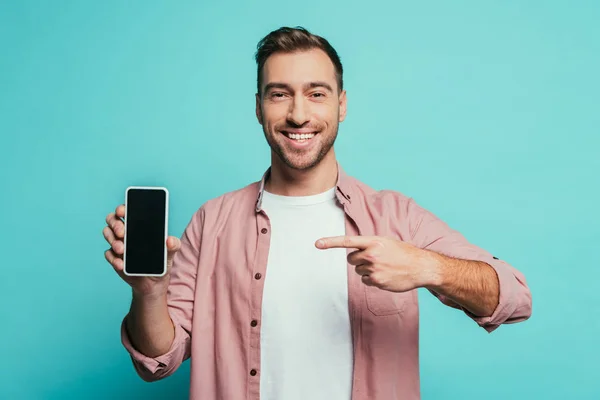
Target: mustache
{"type": "Point", "coordinates": [287, 127]}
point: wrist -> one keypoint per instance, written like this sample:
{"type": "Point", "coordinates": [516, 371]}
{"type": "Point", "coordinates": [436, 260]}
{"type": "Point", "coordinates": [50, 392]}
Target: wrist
{"type": "Point", "coordinates": [149, 297]}
{"type": "Point", "coordinates": [432, 270]}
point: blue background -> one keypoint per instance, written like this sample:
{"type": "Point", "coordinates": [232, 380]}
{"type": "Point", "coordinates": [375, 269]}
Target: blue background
{"type": "Point", "coordinates": [486, 113]}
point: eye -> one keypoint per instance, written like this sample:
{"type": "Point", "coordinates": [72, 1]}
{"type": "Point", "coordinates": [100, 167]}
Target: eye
{"type": "Point", "coordinates": [277, 95]}
{"type": "Point", "coordinates": [318, 96]}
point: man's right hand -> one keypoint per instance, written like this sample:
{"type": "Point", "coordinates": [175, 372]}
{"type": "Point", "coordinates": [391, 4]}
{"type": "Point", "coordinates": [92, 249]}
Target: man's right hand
{"type": "Point", "coordinates": [114, 233]}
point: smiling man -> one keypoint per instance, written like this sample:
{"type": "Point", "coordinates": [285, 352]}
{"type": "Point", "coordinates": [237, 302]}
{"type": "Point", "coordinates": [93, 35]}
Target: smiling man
{"type": "Point", "coordinates": [302, 285]}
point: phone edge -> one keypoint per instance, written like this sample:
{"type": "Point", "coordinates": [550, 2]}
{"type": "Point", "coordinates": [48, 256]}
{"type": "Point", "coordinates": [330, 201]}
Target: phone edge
{"type": "Point", "coordinates": [165, 250]}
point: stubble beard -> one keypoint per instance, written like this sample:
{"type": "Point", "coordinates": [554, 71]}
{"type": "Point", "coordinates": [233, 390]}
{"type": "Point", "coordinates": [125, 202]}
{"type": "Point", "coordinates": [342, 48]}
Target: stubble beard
{"type": "Point", "coordinates": [301, 159]}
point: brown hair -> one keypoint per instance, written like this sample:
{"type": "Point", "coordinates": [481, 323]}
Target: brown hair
{"type": "Point", "coordinates": [290, 40]}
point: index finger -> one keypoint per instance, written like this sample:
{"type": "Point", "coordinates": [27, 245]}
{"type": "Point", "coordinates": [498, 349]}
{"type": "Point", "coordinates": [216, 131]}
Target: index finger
{"type": "Point", "coordinates": [353, 242]}
{"type": "Point", "coordinates": [120, 211]}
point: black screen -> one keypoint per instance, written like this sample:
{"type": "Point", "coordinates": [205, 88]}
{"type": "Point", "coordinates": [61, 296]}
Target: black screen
{"type": "Point", "coordinates": [145, 229]}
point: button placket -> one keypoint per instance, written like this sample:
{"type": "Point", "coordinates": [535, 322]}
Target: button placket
{"type": "Point", "coordinates": [259, 264]}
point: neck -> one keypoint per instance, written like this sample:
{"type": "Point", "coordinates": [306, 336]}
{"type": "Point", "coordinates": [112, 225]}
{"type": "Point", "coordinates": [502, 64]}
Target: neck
{"type": "Point", "coordinates": [286, 181]}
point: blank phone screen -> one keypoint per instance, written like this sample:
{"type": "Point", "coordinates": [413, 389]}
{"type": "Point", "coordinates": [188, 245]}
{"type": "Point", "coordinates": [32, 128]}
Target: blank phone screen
{"type": "Point", "coordinates": [145, 231]}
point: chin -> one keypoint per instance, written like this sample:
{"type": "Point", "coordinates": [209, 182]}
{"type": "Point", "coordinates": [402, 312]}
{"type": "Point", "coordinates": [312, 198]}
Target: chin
{"type": "Point", "coordinates": [301, 166]}
{"type": "Point", "coordinates": [301, 163]}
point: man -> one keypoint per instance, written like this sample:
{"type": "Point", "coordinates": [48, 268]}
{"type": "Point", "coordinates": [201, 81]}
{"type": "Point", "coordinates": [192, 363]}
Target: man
{"type": "Point", "coordinates": [303, 285]}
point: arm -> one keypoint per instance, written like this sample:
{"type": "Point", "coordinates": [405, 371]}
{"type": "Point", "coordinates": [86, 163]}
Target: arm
{"type": "Point", "coordinates": [149, 325]}
{"type": "Point", "coordinates": [473, 285]}
{"type": "Point", "coordinates": [463, 275]}
{"type": "Point", "coordinates": [157, 330]}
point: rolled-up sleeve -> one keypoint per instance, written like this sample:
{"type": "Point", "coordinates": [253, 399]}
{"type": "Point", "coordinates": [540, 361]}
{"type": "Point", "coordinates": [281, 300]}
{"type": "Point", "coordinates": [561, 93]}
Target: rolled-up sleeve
{"type": "Point", "coordinates": [180, 300]}
{"type": "Point", "coordinates": [431, 233]}
{"type": "Point", "coordinates": [152, 369]}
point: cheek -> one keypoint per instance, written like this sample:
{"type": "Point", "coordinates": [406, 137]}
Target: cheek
{"type": "Point", "coordinates": [273, 114]}
{"type": "Point", "coordinates": [325, 113]}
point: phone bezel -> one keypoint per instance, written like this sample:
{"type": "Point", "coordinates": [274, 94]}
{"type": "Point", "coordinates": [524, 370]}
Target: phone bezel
{"type": "Point", "coordinates": [161, 188]}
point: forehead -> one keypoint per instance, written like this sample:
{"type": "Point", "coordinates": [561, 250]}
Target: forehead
{"type": "Point", "coordinates": [298, 68]}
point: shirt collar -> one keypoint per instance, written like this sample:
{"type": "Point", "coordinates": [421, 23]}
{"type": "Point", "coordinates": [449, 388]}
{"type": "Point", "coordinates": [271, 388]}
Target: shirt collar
{"type": "Point", "coordinates": [342, 187]}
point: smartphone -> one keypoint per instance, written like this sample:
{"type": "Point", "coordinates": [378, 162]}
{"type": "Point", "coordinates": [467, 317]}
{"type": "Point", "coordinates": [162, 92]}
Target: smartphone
{"type": "Point", "coordinates": [146, 224]}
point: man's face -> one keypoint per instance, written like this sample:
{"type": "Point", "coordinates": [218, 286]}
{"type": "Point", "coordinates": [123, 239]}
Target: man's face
{"type": "Point", "coordinates": [300, 106]}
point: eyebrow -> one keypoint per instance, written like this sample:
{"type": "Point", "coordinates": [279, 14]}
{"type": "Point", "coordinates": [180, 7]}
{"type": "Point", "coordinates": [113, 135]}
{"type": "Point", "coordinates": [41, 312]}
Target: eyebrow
{"type": "Point", "coordinates": [309, 85]}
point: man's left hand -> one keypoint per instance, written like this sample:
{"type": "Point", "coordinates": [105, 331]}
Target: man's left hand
{"type": "Point", "coordinates": [387, 263]}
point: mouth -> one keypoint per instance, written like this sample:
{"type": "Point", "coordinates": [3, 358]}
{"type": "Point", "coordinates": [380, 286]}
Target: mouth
{"type": "Point", "coordinates": [299, 137]}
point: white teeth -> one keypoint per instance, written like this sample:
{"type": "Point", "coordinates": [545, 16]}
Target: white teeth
{"type": "Point", "coordinates": [301, 136]}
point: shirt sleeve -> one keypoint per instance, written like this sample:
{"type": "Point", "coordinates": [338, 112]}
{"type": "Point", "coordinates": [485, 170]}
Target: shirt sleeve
{"type": "Point", "coordinates": [180, 301]}
{"type": "Point", "coordinates": [431, 233]}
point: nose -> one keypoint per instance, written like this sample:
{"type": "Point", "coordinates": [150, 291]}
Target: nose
{"type": "Point", "coordinates": [298, 113]}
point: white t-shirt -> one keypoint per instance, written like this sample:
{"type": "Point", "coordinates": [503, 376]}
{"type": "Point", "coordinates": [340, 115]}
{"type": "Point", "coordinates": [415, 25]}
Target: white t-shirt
{"type": "Point", "coordinates": [306, 340]}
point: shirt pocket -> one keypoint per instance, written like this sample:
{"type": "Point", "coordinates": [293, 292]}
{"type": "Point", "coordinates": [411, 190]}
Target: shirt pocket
{"type": "Point", "coordinates": [383, 302]}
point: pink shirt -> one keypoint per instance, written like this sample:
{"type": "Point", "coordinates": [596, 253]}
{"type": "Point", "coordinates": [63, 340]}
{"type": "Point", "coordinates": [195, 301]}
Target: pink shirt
{"type": "Point", "coordinates": [217, 283]}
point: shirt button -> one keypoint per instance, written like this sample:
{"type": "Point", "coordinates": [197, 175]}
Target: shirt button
{"type": "Point", "coordinates": [254, 322]}
{"type": "Point", "coordinates": [253, 372]}
{"type": "Point", "coordinates": [263, 230]}
{"type": "Point", "coordinates": [257, 275]}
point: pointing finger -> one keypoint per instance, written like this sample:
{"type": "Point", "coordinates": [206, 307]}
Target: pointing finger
{"type": "Point", "coordinates": [353, 242]}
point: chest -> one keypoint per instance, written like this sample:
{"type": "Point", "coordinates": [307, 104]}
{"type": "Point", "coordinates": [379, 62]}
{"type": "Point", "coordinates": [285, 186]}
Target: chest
{"type": "Point", "coordinates": [273, 251]}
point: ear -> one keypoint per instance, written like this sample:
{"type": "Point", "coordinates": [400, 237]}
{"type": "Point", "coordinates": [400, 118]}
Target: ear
{"type": "Point", "coordinates": [343, 106]}
{"type": "Point", "coordinates": [258, 109]}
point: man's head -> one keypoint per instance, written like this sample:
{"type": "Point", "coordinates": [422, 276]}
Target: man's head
{"type": "Point", "coordinates": [300, 99]}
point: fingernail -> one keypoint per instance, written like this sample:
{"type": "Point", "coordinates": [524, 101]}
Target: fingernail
{"type": "Point", "coordinates": [320, 243]}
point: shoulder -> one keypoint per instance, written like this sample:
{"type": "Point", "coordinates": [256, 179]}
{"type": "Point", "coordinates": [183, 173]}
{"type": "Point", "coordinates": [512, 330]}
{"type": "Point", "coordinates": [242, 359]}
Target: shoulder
{"type": "Point", "coordinates": [394, 206]}
{"type": "Point", "coordinates": [379, 197]}
{"type": "Point", "coordinates": [236, 200]}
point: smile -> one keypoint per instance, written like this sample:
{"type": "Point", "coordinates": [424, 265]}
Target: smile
{"type": "Point", "coordinates": [299, 137]}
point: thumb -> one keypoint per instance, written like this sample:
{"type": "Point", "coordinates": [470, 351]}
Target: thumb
{"type": "Point", "coordinates": [173, 245]}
